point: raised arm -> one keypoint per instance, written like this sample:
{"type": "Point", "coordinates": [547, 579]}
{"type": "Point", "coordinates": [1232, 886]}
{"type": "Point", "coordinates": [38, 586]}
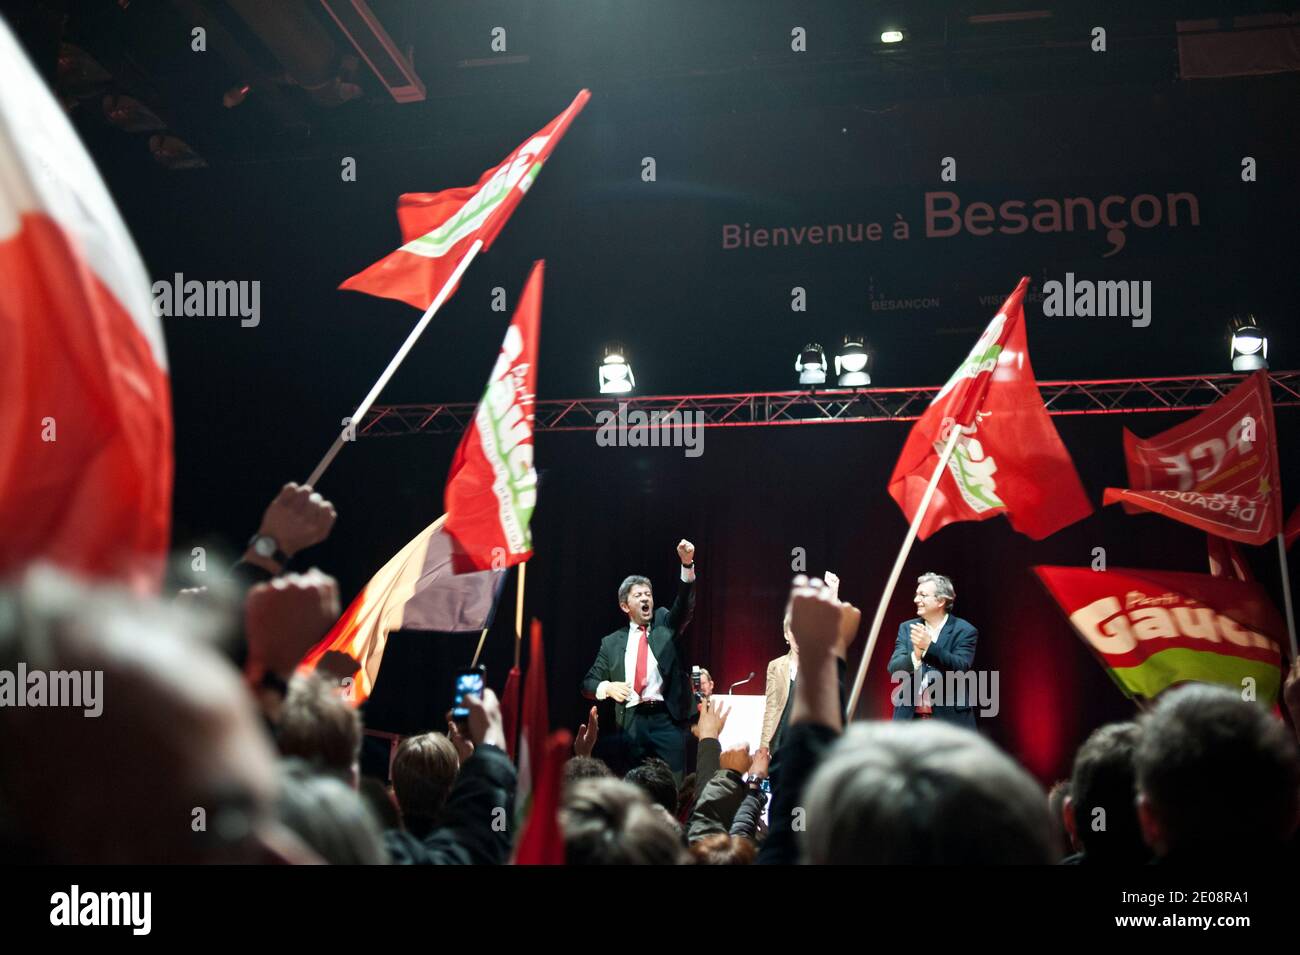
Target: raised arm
{"type": "Point", "coordinates": [684, 606]}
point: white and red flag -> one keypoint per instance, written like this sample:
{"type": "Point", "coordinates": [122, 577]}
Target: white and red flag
{"type": "Point", "coordinates": [1217, 472]}
{"type": "Point", "coordinates": [492, 484]}
{"type": "Point", "coordinates": [438, 228]}
{"type": "Point", "coordinates": [1009, 459]}
{"type": "Point", "coordinates": [85, 400]}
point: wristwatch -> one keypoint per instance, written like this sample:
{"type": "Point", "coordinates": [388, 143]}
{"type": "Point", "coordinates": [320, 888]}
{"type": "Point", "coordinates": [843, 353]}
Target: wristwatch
{"type": "Point", "coordinates": [264, 545]}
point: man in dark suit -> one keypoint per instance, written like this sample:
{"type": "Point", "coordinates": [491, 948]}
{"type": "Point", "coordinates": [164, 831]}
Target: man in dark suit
{"type": "Point", "coordinates": [642, 668]}
{"type": "Point", "coordinates": [933, 657]}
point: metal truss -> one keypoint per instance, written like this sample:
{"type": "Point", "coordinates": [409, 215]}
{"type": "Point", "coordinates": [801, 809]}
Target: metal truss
{"type": "Point", "coordinates": [829, 406]}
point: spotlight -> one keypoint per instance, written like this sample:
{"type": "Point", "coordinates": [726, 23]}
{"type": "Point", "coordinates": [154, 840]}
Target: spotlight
{"type": "Point", "coordinates": [1249, 344]}
{"type": "Point", "coordinates": [851, 363]}
{"type": "Point", "coordinates": [891, 36]}
{"type": "Point", "coordinates": [811, 365]}
{"type": "Point", "coordinates": [615, 374]}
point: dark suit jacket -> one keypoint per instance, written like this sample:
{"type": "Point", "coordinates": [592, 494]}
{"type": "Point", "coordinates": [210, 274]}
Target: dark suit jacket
{"type": "Point", "coordinates": [665, 628]}
{"type": "Point", "coordinates": [954, 651]}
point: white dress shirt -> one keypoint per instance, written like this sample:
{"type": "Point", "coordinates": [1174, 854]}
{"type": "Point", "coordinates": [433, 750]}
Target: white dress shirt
{"type": "Point", "coordinates": [654, 681]}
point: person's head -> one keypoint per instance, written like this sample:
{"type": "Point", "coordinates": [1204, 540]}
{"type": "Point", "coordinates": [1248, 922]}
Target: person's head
{"type": "Point", "coordinates": [934, 596]}
{"type": "Point", "coordinates": [1056, 797]}
{"type": "Point", "coordinates": [176, 739]}
{"type": "Point", "coordinates": [318, 725]}
{"type": "Point", "coordinates": [329, 816]}
{"type": "Point", "coordinates": [1216, 776]}
{"type": "Point", "coordinates": [924, 793]}
{"type": "Point", "coordinates": [585, 767]}
{"type": "Point", "coordinates": [610, 822]}
{"type": "Point", "coordinates": [424, 770]}
{"type": "Point", "coordinates": [706, 682]}
{"type": "Point", "coordinates": [721, 849]}
{"type": "Point", "coordinates": [636, 599]}
{"type": "Point", "coordinates": [1100, 810]}
{"type": "Point", "coordinates": [656, 778]}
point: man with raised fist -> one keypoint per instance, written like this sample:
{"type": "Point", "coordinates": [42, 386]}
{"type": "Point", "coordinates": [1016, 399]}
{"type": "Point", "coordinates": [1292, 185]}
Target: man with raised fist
{"type": "Point", "coordinates": [642, 667]}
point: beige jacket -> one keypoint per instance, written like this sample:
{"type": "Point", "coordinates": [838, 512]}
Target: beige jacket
{"type": "Point", "coordinates": [778, 691]}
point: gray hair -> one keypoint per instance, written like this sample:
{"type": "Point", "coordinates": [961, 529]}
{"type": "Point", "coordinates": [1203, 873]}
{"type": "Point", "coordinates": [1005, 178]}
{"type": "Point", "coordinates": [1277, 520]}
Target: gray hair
{"type": "Point", "coordinates": [924, 794]}
{"type": "Point", "coordinates": [625, 588]}
{"type": "Point", "coordinates": [942, 588]}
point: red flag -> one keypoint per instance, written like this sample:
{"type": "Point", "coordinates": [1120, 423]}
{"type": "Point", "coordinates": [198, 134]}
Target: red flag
{"type": "Point", "coordinates": [542, 840]}
{"type": "Point", "coordinates": [536, 720]}
{"type": "Point", "coordinates": [85, 402]}
{"type": "Point", "coordinates": [492, 485]}
{"type": "Point", "coordinates": [1217, 472]}
{"type": "Point", "coordinates": [1009, 459]}
{"type": "Point", "coordinates": [510, 709]}
{"type": "Point", "coordinates": [438, 228]}
{"type": "Point", "coordinates": [1152, 629]}
{"type": "Point", "coordinates": [1226, 559]}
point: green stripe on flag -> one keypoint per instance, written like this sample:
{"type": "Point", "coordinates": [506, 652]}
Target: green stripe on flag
{"type": "Point", "coordinates": [1179, 664]}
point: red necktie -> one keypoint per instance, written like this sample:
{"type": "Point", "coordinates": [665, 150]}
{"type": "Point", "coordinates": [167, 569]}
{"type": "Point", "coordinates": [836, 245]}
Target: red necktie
{"type": "Point", "coordinates": [642, 662]}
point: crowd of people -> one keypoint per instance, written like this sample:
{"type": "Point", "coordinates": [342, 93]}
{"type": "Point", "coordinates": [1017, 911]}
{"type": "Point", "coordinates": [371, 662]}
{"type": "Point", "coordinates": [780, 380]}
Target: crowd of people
{"type": "Point", "coordinates": [210, 749]}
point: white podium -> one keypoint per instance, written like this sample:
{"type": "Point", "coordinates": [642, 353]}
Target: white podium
{"type": "Point", "coordinates": [745, 724]}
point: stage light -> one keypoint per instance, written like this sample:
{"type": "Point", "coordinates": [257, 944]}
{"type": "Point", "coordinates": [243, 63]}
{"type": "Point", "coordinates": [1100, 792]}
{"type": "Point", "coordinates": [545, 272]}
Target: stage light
{"type": "Point", "coordinates": [891, 36]}
{"type": "Point", "coordinates": [851, 363]}
{"type": "Point", "coordinates": [811, 365]}
{"type": "Point", "coordinates": [615, 374]}
{"type": "Point", "coordinates": [1249, 344]}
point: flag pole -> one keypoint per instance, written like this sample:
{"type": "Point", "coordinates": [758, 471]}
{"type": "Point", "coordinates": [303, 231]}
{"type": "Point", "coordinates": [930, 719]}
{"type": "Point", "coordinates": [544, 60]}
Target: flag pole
{"type": "Point", "coordinates": [443, 294]}
{"type": "Point", "coordinates": [898, 570]}
{"type": "Point", "coordinates": [479, 649]}
{"type": "Point", "coordinates": [1286, 593]}
{"type": "Point", "coordinates": [519, 610]}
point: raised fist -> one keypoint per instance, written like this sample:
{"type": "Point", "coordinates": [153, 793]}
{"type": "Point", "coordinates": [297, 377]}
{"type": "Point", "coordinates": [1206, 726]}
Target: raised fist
{"type": "Point", "coordinates": [686, 551]}
{"type": "Point", "coordinates": [286, 617]}
{"type": "Point", "coordinates": [298, 518]}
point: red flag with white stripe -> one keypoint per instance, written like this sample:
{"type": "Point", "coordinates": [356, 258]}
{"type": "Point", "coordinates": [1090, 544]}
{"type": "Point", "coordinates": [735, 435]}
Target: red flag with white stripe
{"type": "Point", "coordinates": [85, 400]}
{"type": "Point", "coordinates": [438, 228]}
{"type": "Point", "coordinates": [1008, 459]}
{"type": "Point", "coordinates": [492, 486]}
{"type": "Point", "coordinates": [1217, 471]}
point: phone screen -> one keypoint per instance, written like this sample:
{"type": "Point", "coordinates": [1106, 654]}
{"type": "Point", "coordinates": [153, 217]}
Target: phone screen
{"type": "Point", "coordinates": [467, 682]}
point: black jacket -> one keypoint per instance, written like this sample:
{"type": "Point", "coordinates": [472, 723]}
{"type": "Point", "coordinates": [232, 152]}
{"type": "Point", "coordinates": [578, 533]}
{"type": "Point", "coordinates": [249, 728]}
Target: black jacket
{"type": "Point", "coordinates": [665, 629]}
{"type": "Point", "coordinates": [477, 825]}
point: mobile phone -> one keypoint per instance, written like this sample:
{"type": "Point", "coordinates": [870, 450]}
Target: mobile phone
{"type": "Point", "coordinates": [469, 682]}
{"type": "Point", "coordinates": [696, 676]}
